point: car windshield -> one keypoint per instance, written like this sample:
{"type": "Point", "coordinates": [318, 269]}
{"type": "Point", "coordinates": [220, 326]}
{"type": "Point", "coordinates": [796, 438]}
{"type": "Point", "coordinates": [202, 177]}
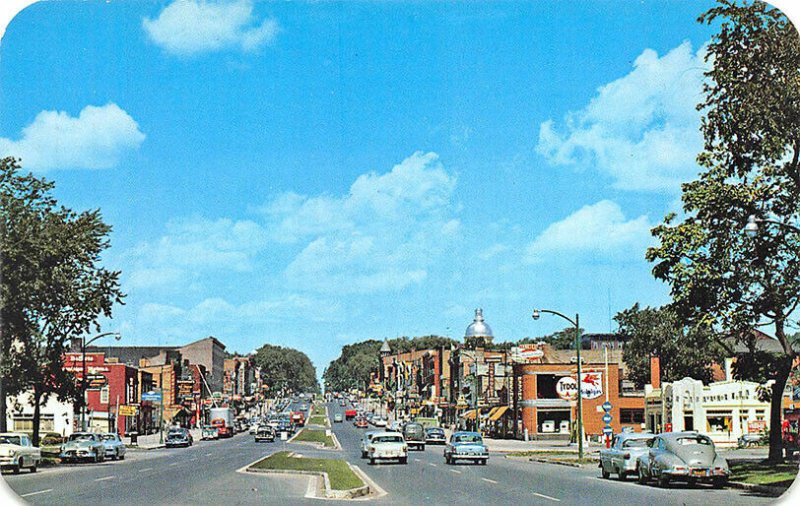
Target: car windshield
{"type": "Point", "coordinates": [636, 443]}
{"type": "Point", "coordinates": [9, 440]}
{"type": "Point", "coordinates": [467, 438]}
{"type": "Point", "coordinates": [109, 437]}
{"type": "Point", "coordinates": [435, 431]}
{"type": "Point", "coordinates": [388, 439]}
{"type": "Point", "coordinates": [694, 440]}
{"type": "Point", "coordinates": [81, 437]}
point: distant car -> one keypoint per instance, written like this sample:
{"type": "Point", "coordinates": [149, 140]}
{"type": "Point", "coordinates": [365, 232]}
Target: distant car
{"type": "Point", "coordinates": [115, 448]}
{"type": "Point", "coordinates": [466, 446]}
{"type": "Point", "coordinates": [748, 440]}
{"type": "Point", "coordinates": [378, 421]}
{"type": "Point", "coordinates": [435, 436]}
{"type": "Point", "coordinates": [396, 426]}
{"type": "Point", "coordinates": [338, 418]}
{"type": "Point", "coordinates": [17, 452]}
{"type": "Point", "coordinates": [414, 433]}
{"type": "Point", "coordinates": [387, 446]}
{"type": "Point", "coordinates": [83, 446]}
{"type": "Point", "coordinates": [253, 427]}
{"type": "Point", "coordinates": [209, 432]}
{"type": "Point", "coordinates": [621, 457]}
{"type": "Point", "coordinates": [265, 433]}
{"type": "Point", "coordinates": [361, 423]}
{"type": "Point", "coordinates": [683, 456]}
{"type": "Point", "coordinates": [178, 437]}
{"type": "Point", "coordinates": [365, 442]}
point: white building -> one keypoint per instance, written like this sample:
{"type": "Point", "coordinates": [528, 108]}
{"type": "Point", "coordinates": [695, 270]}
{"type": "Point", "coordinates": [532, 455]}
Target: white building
{"type": "Point", "coordinates": [55, 417]}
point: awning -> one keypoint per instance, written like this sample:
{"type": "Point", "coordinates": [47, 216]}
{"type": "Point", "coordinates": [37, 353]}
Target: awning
{"type": "Point", "coordinates": [469, 415]}
{"type": "Point", "coordinates": [490, 413]}
{"type": "Point", "coordinates": [497, 414]}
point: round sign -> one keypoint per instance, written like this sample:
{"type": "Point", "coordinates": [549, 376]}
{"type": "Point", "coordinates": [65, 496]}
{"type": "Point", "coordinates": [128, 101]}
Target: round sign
{"type": "Point", "coordinates": [607, 406]}
{"type": "Point", "coordinates": [567, 388]}
{"type": "Point", "coordinates": [607, 418]}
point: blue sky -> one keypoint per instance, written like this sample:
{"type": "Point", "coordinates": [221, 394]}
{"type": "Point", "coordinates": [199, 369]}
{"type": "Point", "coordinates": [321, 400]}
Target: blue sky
{"type": "Point", "coordinates": [315, 174]}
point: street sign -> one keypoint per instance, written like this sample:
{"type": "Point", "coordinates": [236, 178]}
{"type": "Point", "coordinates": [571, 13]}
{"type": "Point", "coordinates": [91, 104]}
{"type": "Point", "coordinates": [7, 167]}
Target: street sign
{"type": "Point", "coordinates": [607, 418]}
{"type": "Point", "coordinates": [608, 430]}
{"type": "Point", "coordinates": [151, 396]}
{"type": "Point", "coordinates": [127, 410]}
{"type": "Point", "coordinates": [607, 406]}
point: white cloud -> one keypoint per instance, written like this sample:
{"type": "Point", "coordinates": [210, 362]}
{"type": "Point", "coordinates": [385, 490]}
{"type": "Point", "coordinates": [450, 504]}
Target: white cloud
{"type": "Point", "coordinates": [598, 230]}
{"type": "Point", "coordinates": [188, 27]}
{"type": "Point", "coordinates": [194, 244]}
{"type": "Point", "coordinates": [642, 129]}
{"type": "Point", "coordinates": [96, 139]}
{"type": "Point", "coordinates": [382, 235]}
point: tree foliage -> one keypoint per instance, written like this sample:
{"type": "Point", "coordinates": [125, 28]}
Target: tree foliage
{"type": "Point", "coordinates": [719, 276]}
{"type": "Point", "coordinates": [683, 350]}
{"type": "Point", "coordinates": [286, 369]}
{"type": "Point", "coordinates": [53, 285]}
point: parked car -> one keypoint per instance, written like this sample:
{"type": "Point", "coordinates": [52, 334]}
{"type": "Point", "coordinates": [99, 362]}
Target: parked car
{"type": "Point", "coordinates": [415, 435]}
{"type": "Point", "coordinates": [115, 448]}
{"type": "Point", "coordinates": [17, 452]}
{"type": "Point", "coordinates": [209, 432]}
{"type": "Point", "coordinates": [265, 433]}
{"type": "Point", "coordinates": [622, 455]}
{"type": "Point", "coordinates": [466, 446]}
{"type": "Point", "coordinates": [253, 427]}
{"type": "Point", "coordinates": [435, 436]}
{"type": "Point", "coordinates": [387, 446]}
{"type": "Point", "coordinates": [685, 456]}
{"type": "Point", "coordinates": [337, 418]}
{"type": "Point", "coordinates": [361, 423]}
{"type": "Point", "coordinates": [178, 437]}
{"type": "Point", "coordinates": [83, 446]}
{"type": "Point", "coordinates": [365, 442]}
{"type": "Point", "coordinates": [748, 440]}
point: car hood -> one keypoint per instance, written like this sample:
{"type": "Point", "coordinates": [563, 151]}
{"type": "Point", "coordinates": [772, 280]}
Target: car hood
{"type": "Point", "coordinates": [5, 447]}
{"type": "Point", "coordinates": [79, 444]}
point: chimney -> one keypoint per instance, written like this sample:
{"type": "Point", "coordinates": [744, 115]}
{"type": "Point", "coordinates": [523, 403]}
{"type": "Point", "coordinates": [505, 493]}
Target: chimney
{"type": "Point", "coordinates": [655, 372]}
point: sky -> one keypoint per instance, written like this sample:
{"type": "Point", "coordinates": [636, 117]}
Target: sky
{"type": "Point", "coordinates": [313, 174]}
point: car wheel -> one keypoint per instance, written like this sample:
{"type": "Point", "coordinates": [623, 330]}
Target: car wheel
{"type": "Point", "coordinates": [363, 454]}
{"type": "Point", "coordinates": [663, 480]}
{"type": "Point", "coordinates": [641, 478]}
{"type": "Point", "coordinates": [122, 457]}
{"type": "Point", "coordinates": [605, 474]}
{"type": "Point", "coordinates": [691, 482]}
{"type": "Point", "coordinates": [483, 462]}
{"type": "Point", "coordinates": [15, 469]}
{"type": "Point", "coordinates": [621, 475]}
{"type": "Point", "coordinates": [422, 448]}
{"type": "Point", "coordinates": [447, 460]}
{"type": "Point", "coordinates": [33, 468]}
{"type": "Point", "coordinates": [404, 460]}
{"type": "Point", "coordinates": [719, 482]}
{"type": "Point", "coordinates": [371, 461]}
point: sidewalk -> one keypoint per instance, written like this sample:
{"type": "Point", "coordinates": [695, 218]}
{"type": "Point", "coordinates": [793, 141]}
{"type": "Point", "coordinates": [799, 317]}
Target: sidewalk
{"type": "Point", "coordinates": [517, 445]}
{"type": "Point", "coordinates": [151, 441]}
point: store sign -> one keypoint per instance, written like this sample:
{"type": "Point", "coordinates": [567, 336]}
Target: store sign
{"type": "Point", "coordinates": [527, 353]}
{"type": "Point", "coordinates": [591, 386]}
{"type": "Point", "coordinates": [756, 426]}
{"type": "Point", "coordinates": [186, 389]}
{"type": "Point", "coordinates": [127, 411]}
{"type": "Point", "coordinates": [96, 381]}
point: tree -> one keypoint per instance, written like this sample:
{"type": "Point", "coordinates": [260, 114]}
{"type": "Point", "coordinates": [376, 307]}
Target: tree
{"type": "Point", "coordinates": [683, 350]}
{"type": "Point", "coordinates": [719, 277]}
{"type": "Point", "coordinates": [286, 369]}
{"type": "Point", "coordinates": [53, 286]}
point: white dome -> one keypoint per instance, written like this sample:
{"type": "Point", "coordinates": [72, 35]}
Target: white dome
{"type": "Point", "coordinates": [479, 328]}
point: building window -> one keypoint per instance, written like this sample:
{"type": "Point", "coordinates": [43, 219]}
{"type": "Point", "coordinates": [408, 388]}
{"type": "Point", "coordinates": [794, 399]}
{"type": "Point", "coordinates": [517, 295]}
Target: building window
{"type": "Point", "coordinates": [631, 415]}
{"type": "Point", "coordinates": [24, 423]}
{"type": "Point", "coordinates": [104, 395]}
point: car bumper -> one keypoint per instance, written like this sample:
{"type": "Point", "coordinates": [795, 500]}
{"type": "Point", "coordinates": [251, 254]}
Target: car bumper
{"type": "Point", "coordinates": [469, 456]}
{"type": "Point", "coordinates": [9, 461]}
{"type": "Point", "coordinates": [697, 473]}
{"type": "Point", "coordinates": [389, 455]}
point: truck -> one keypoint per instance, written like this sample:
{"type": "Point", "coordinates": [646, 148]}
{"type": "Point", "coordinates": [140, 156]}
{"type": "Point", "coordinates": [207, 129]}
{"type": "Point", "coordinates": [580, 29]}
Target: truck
{"type": "Point", "coordinates": [222, 419]}
{"type": "Point", "coordinates": [349, 414]}
{"type": "Point", "coordinates": [298, 418]}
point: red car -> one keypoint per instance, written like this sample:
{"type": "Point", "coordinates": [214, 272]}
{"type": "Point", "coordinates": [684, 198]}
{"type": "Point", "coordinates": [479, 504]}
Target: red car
{"type": "Point", "coordinates": [361, 423]}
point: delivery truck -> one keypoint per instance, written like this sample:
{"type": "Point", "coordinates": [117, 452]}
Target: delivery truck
{"type": "Point", "coordinates": [222, 419]}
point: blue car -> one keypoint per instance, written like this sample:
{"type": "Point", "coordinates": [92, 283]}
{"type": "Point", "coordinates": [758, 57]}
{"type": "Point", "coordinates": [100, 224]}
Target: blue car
{"type": "Point", "coordinates": [466, 446]}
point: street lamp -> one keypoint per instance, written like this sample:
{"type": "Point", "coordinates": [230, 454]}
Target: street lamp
{"type": "Point", "coordinates": [576, 322]}
{"type": "Point", "coordinates": [84, 344]}
{"type": "Point", "coordinates": [752, 228]}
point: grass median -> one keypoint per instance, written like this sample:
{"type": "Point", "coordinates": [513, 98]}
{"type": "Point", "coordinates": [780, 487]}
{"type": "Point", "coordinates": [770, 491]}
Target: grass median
{"type": "Point", "coordinates": [318, 420]}
{"type": "Point", "coordinates": [758, 473]}
{"type": "Point", "coordinates": [339, 473]}
{"type": "Point", "coordinates": [315, 436]}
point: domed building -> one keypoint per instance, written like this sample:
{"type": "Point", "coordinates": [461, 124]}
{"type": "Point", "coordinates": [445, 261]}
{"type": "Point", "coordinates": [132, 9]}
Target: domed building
{"type": "Point", "coordinates": [478, 332]}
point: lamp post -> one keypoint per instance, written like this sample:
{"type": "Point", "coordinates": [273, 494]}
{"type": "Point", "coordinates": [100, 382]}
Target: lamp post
{"type": "Point", "coordinates": [84, 344]}
{"type": "Point", "coordinates": [752, 228]}
{"type": "Point", "coordinates": [576, 323]}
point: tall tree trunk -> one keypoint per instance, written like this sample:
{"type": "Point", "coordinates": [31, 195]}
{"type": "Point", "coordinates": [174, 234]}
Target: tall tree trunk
{"type": "Point", "coordinates": [776, 411]}
{"type": "Point", "coordinates": [3, 414]}
{"type": "Point", "coordinates": [37, 414]}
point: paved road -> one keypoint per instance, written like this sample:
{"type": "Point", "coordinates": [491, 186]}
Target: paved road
{"type": "Point", "coordinates": [207, 474]}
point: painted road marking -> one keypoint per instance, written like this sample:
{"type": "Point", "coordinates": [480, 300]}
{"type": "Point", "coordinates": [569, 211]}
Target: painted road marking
{"type": "Point", "coordinates": [547, 497]}
{"type": "Point", "coordinates": [455, 471]}
{"type": "Point", "coordinates": [431, 464]}
{"type": "Point", "coordinates": [35, 493]}
{"type": "Point", "coordinates": [145, 469]}
{"type": "Point", "coordinates": [105, 478]}
{"type": "Point", "coordinates": [208, 454]}
{"type": "Point", "coordinates": [175, 463]}
{"type": "Point", "coordinates": [488, 480]}
{"type": "Point", "coordinates": [417, 460]}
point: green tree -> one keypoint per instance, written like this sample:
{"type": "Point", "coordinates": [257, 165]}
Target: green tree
{"type": "Point", "coordinates": [683, 350]}
{"type": "Point", "coordinates": [719, 277]}
{"type": "Point", "coordinates": [286, 369]}
{"type": "Point", "coordinates": [53, 287]}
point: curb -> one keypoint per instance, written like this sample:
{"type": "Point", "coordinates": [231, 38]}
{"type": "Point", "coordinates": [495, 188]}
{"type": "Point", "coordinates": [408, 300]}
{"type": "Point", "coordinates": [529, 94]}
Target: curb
{"type": "Point", "coordinates": [329, 492]}
{"type": "Point", "coordinates": [758, 488]}
{"type": "Point", "coordinates": [558, 462]}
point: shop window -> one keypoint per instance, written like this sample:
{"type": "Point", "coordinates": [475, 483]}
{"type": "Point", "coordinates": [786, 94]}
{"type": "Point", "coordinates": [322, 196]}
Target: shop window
{"type": "Point", "coordinates": [631, 415]}
{"type": "Point", "coordinates": [104, 395]}
{"type": "Point", "coordinates": [24, 423]}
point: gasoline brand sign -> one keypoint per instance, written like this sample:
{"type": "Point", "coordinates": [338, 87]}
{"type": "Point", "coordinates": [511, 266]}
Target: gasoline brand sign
{"type": "Point", "coordinates": [567, 388]}
{"type": "Point", "coordinates": [591, 386]}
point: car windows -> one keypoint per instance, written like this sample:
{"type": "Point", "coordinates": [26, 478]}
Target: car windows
{"type": "Point", "coordinates": [635, 443]}
{"type": "Point", "coordinates": [467, 438]}
{"type": "Point", "coordinates": [694, 440]}
{"type": "Point", "coordinates": [81, 437]}
{"type": "Point", "coordinates": [10, 440]}
{"type": "Point", "coordinates": [109, 437]}
{"type": "Point", "coordinates": [388, 439]}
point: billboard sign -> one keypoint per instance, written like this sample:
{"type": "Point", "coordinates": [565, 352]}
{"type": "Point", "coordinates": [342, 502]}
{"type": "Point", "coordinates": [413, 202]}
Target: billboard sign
{"type": "Point", "coordinates": [591, 386]}
{"type": "Point", "coordinates": [527, 353]}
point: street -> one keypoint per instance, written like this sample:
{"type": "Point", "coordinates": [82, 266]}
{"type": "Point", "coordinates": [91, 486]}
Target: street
{"type": "Point", "coordinates": [206, 473]}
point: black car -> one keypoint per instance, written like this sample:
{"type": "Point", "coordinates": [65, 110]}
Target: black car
{"type": "Point", "coordinates": [179, 437]}
{"type": "Point", "coordinates": [265, 433]}
{"type": "Point", "coordinates": [435, 436]}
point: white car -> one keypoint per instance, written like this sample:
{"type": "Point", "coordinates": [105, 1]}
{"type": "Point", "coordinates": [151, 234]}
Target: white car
{"type": "Point", "coordinates": [365, 442]}
{"type": "Point", "coordinates": [17, 452]}
{"type": "Point", "coordinates": [115, 448]}
{"type": "Point", "coordinates": [379, 422]}
{"type": "Point", "coordinates": [387, 446]}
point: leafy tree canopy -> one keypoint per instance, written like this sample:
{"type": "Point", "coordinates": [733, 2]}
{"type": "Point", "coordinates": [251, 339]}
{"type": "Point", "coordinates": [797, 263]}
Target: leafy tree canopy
{"type": "Point", "coordinates": [286, 369]}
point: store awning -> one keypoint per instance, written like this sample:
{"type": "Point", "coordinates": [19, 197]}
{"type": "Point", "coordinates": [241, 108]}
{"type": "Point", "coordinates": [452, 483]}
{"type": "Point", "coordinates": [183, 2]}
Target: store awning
{"type": "Point", "coordinates": [469, 415]}
{"type": "Point", "coordinates": [490, 413]}
{"type": "Point", "coordinates": [497, 414]}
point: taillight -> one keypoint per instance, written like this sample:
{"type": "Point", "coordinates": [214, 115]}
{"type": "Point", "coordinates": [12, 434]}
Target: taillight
{"type": "Point", "coordinates": [627, 456]}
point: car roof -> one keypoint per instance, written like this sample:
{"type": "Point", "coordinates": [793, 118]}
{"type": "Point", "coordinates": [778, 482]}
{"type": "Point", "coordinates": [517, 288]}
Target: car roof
{"type": "Point", "coordinates": [676, 435]}
{"type": "Point", "coordinates": [387, 433]}
{"type": "Point", "coordinates": [466, 433]}
{"type": "Point", "coordinates": [18, 434]}
{"type": "Point", "coordinates": [636, 435]}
